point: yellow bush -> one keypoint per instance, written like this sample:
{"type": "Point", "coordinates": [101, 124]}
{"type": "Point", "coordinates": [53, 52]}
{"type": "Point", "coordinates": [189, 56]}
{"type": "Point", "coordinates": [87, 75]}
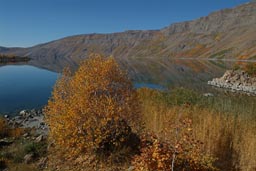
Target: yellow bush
{"type": "Point", "coordinates": [93, 110]}
{"type": "Point", "coordinates": [182, 152]}
{"type": "Point", "coordinates": [155, 155]}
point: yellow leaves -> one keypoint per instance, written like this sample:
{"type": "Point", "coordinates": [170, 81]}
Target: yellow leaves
{"type": "Point", "coordinates": [92, 106]}
{"type": "Point", "coordinates": [182, 150]}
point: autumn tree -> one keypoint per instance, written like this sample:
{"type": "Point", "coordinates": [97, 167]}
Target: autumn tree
{"type": "Point", "coordinates": [95, 110]}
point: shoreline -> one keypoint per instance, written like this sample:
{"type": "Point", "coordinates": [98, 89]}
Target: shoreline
{"type": "Point", "coordinates": [14, 59]}
{"type": "Point", "coordinates": [28, 119]}
{"type": "Point", "coordinates": [236, 80]}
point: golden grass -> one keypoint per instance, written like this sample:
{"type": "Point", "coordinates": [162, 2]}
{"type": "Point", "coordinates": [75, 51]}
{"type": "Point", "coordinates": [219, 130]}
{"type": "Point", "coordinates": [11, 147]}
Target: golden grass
{"type": "Point", "coordinates": [230, 138]}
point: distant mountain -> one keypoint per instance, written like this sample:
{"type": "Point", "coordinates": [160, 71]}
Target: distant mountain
{"type": "Point", "coordinates": [225, 34]}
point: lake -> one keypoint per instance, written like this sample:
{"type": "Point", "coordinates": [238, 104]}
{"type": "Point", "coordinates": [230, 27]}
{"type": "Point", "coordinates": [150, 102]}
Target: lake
{"type": "Point", "coordinates": [28, 87]}
{"type": "Point", "coordinates": [23, 87]}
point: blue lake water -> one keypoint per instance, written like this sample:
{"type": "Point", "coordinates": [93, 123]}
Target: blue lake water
{"type": "Point", "coordinates": [24, 87]}
{"type": "Point", "coordinates": [28, 87]}
{"type": "Point", "coordinates": [149, 85]}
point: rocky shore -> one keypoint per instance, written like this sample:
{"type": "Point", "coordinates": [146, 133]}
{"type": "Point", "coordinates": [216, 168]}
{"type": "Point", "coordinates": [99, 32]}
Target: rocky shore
{"type": "Point", "coordinates": [26, 147]}
{"type": "Point", "coordinates": [236, 80]}
{"type": "Point", "coordinates": [33, 119]}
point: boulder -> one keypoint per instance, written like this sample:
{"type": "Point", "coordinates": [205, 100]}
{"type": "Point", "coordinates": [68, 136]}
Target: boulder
{"type": "Point", "coordinates": [5, 142]}
{"type": "Point", "coordinates": [40, 138]}
{"type": "Point", "coordinates": [23, 113]}
{"type": "Point", "coordinates": [208, 95]}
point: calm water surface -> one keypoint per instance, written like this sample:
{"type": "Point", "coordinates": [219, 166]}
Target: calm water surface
{"type": "Point", "coordinates": [28, 87]}
{"type": "Point", "coordinates": [23, 87]}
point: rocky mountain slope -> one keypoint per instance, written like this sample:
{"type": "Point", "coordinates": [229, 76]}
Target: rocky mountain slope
{"type": "Point", "coordinates": [225, 34]}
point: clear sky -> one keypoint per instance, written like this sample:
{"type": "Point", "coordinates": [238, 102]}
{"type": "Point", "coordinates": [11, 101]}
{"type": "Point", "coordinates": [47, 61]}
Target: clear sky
{"type": "Point", "coordinates": [26, 23]}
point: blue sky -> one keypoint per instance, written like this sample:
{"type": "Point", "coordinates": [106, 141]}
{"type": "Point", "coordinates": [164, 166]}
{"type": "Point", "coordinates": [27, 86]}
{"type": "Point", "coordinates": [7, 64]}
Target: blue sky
{"type": "Point", "coordinates": [26, 23]}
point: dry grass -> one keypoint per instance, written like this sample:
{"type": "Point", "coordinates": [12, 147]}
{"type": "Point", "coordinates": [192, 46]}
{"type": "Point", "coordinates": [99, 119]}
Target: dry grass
{"type": "Point", "coordinates": [3, 128]}
{"type": "Point", "coordinates": [6, 131]}
{"type": "Point", "coordinates": [231, 138]}
{"type": "Point", "coordinates": [22, 167]}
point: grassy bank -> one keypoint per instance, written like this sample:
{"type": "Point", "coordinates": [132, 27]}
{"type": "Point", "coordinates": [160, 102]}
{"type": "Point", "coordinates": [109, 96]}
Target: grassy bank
{"type": "Point", "coordinates": [225, 124]}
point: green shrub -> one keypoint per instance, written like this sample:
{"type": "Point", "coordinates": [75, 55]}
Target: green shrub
{"type": "Point", "coordinates": [37, 149]}
{"type": "Point", "coordinates": [182, 96]}
{"type": "Point", "coordinates": [176, 96]}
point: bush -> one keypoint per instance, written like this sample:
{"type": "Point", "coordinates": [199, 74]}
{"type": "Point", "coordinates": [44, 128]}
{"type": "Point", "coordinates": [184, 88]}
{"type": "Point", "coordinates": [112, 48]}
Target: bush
{"type": "Point", "coordinates": [118, 135]}
{"type": "Point", "coordinates": [95, 110]}
{"type": "Point", "coordinates": [37, 149]}
{"type": "Point", "coordinates": [182, 152]}
{"type": "Point", "coordinates": [250, 68]}
{"type": "Point", "coordinates": [155, 155]}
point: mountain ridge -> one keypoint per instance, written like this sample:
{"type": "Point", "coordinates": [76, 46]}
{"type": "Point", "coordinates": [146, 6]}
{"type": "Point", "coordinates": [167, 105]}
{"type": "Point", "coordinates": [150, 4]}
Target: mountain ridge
{"type": "Point", "coordinates": [224, 34]}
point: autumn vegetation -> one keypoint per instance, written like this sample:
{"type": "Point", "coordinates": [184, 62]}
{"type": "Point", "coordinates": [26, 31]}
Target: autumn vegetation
{"type": "Point", "coordinates": [249, 68]}
{"type": "Point", "coordinates": [96, 123]}
{"type": "Point", "coordinates": [99, 121]}
{"type": "Point", "coordinates": [7, 131]}
{"type": "Point", "coordinates": [225, 124]}
{"type": "Point", "coordinates": [14, 147]}
{"type": "Point", "coordinates": [94, 113]}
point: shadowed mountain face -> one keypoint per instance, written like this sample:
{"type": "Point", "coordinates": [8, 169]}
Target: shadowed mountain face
{"type": "Point", "coordinates": [228, 33]}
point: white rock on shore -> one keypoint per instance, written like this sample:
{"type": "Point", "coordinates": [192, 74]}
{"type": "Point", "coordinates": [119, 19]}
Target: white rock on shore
{"type": "Point", "coordinates": [30, 119]}
{"type": "Point", "coordinates": [236, 80]}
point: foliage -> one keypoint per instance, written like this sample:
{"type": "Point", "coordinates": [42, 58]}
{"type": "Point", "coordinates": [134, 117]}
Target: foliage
{"type": "Point", "coordinates": [154, 156]}
{"type": "Point", "coordinates": [37, 149]}
{"type": "Point", "coordinates": [250, 68]}
{"type": "Point", "coordinates": [225, 123]}
{"type": "Point", "coordinates": [182, 152]}
{"type": "Point", "coordinates": [94, 110]}
{"type": "Point", "coordinates": [182, 96]}
{"type": "Point", "coordinates": [176, 96]}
